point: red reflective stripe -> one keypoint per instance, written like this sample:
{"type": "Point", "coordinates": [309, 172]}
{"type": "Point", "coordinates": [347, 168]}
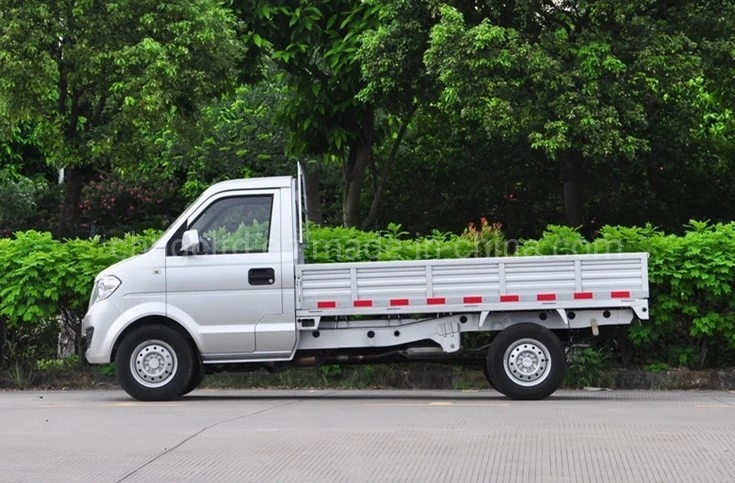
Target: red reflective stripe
{"type": "Point", "coordinates": [620, 294]}
{"type": "Point", "coordinates": [582, 295]}
{"type": "Point", "coordinates": [326, 305]}
{"type": "Point", "coordinates": [436, 301]}
{"type": "Point", "coordinates": [546, 297]}
{"type": "Point", "coordinates": [473, 300]}
{"type": "Point", "coordinates": [397, 302]}
{"type": "Point", "coordinates": [362, 303]}
{"type": "Point", "coordinates": [510, 298]}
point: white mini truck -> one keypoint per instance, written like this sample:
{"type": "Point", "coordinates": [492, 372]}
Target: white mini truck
{"type": "Point", "coordinates": [225, 289]}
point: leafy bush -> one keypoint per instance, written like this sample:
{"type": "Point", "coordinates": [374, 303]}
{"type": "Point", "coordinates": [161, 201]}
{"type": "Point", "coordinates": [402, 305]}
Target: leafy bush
{"type": "Point", "coordinates": [69, 362]}
{"type": "Point", "coordinates": [487, 239]}
{"type": "Point", "coordinates": [247, 238]}
{"type": "Point", "coordinates": [337, 244]}
{"type": "Point", "coordinates": [691, 277]}
{"type": "Point", "coordinates": [555, 240]}
{"type": "Point", "coordinates": [17, 199]}
{"type": "Point", "coordinates": [584, 367]}
{"type": "Point", "coordinates": [43, 280]}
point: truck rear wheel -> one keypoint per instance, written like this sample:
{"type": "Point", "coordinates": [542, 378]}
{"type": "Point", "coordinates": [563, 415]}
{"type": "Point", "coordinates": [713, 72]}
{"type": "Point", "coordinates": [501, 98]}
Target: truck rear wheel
{"type": "Point", "coordinates": [154, 363]}
{"type": "Point", "coordinates": [526, 361]}
{"type": "Point", "coordinates": [488, 377]}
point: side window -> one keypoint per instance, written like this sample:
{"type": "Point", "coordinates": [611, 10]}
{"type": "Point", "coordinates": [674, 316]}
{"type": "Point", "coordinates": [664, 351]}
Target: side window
{"type": "Point", "coordinates": [235, 225]}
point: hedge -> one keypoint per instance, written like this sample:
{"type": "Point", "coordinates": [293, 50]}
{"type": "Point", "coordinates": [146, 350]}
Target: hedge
{"type": "Point", "coordinates": [691, 275]}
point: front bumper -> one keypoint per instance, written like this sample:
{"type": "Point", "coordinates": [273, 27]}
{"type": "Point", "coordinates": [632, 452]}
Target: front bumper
{"type": "Point", "coordinates": [99, 338]}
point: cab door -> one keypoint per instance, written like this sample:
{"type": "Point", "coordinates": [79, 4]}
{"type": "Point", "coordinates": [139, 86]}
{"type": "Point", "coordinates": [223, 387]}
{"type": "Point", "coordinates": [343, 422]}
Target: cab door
{"type": "Point", "coordinates": [233, 280]}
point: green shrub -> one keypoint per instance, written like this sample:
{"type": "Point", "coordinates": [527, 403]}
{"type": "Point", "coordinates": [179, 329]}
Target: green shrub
{"type": "Point", "coordinates": [584, 367]}
{"type": "Point", "coordinates": [69, 362]}
{"type": "Point", "coordinates": [337, 244]}
{"type": "Point", "coordinates": [17, 199]}
{"type": "Point", "coordinates": [691, 278]}
{"type": "Point", "coordinates": [555, 240]}
{"type": "Point", "coordinates": [46, 283]}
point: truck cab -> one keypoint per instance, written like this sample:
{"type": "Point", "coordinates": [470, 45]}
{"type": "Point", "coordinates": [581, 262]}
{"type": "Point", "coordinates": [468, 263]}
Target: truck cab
{"type": "Point", "coordinates": [222, 276]}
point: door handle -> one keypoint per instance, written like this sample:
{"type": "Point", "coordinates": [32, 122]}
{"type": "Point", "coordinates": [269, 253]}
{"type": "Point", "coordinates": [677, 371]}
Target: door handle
{"type": "Point", "coordinates": [261, 276]}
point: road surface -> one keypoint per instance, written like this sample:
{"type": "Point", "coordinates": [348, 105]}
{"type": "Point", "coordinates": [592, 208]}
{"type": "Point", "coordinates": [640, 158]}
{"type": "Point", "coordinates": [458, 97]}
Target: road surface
{"type": "Point", "coordinates": [364, 436]}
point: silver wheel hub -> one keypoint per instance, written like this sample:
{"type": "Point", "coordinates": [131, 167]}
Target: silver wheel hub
{"type": "Point", "coordinates": [153, 363]}
{"type": "Point", "coordinates": [527, 362]}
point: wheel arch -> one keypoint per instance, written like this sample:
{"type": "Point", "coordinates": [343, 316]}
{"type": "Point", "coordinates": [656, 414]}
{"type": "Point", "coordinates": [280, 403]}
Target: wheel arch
{"type": "Point", "coordinates": [158, 320]}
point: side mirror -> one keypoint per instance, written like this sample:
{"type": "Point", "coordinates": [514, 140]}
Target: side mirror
{"type": "Point", "coordinates": [190, 241]}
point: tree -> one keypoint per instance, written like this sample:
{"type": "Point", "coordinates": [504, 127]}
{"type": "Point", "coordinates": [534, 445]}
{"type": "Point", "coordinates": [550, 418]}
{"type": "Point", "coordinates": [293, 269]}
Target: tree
{"type": "Point", "coordinates": [101, 80]}
{"type": "Point", "coordinates": [233, 137]}
{"type": "Point", "coordinates": [581, 82]}
{"type": "Point", "coordinates": [314, 43]}
{"type": "Point", "coordinates": [396, 81]}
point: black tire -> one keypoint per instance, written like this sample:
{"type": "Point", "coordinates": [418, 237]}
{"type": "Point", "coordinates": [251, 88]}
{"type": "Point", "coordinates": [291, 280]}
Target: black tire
{"type": "Point", "coordinates": [488, 377]}
{"type": "Point", "coordinates": [154, 363]}
{"type": "Point", "coordinates": [526, 362]}
{"type": "Point", "coordinates": [196, 378]}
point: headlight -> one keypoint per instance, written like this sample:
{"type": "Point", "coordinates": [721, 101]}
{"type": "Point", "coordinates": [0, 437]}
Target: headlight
{"type": "Point", "coordinates": [104, 287]}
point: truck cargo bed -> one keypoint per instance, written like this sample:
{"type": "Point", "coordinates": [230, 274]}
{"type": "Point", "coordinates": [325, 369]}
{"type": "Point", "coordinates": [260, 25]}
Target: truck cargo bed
{"type": "Point", "coordinates": [474, 284]}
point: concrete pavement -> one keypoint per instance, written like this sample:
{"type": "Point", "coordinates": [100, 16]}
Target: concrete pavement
{"type": "Point", "coordinates": [318, 436]}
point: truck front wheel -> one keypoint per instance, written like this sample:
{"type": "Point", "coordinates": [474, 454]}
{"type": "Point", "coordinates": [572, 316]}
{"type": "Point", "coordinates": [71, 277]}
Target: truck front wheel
{"type": "Point", "coordinates": [526, 361]}
{"type": "Point", "coordinates": [154, 363]}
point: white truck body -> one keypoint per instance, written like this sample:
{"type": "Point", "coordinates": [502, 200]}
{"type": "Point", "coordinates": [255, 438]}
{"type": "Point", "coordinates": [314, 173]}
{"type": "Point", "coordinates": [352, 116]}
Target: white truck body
{"type": "Point", "coordinates": [225, 288]}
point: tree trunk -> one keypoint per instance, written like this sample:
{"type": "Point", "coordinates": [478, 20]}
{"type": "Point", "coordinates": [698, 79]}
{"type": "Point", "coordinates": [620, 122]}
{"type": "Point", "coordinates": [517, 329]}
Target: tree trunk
{"type": "Point", "coordinates": [358, 158]}
{"type": "Point", "coordinates": [380, 185]}
{"type": "Point", "coordinates": [573, 185]}
{"type": "Point", "coordinates": [73, 176]}
{"type": "Point", "coordinates": [70, 210]}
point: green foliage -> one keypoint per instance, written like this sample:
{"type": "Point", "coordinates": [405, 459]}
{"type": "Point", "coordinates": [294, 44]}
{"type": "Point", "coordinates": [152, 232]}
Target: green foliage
{"type": "Point", "coordinates": [657, 367]}
{"type": "Point", "coordinates": [692, 282]}
{"type": "Point", "coordinates": [683, 356]}
{"type": "Point", "coordinates": [69, 362]}
{"type": "Point", "coordinates": [18, 196]}
{"type": "Point", "coordinates": [331, 371]}
{"type": "Point", "coordinates": [247, 238]}
{"type": "Point", "coordinates": [626, 239]}
{"type": "Point", "coordinates": [20, 376]}
{"type": "Point", "coordinates": [337, 244]}
{"type": "Point", "coordinates": [26, 343]}
{"type": "Point", "coordinates": [556, 240]}
{"type": "Point", "coordinates": [564, 240]}
{"type": "Point", "coordinates": [236, 136]}
{"type": "Point", "coordinates": [315, 44]}
{"type": "Point", "coordinates": [693, 276]}
{"type": "Point", "coordinates": [28, 289]}
{"type": "Point", "coordinates": [98, 83]}
{"type": "Point", "coordinates": [584, 368]}
{"type": "Point", "coordinates": [91, 76]}
{"type": "Point", "coordinates": [602, 90]}
{"type": "Point", "coordinates": [42, 279]}
{"type": "Point", "coordinates": [108, 369]}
